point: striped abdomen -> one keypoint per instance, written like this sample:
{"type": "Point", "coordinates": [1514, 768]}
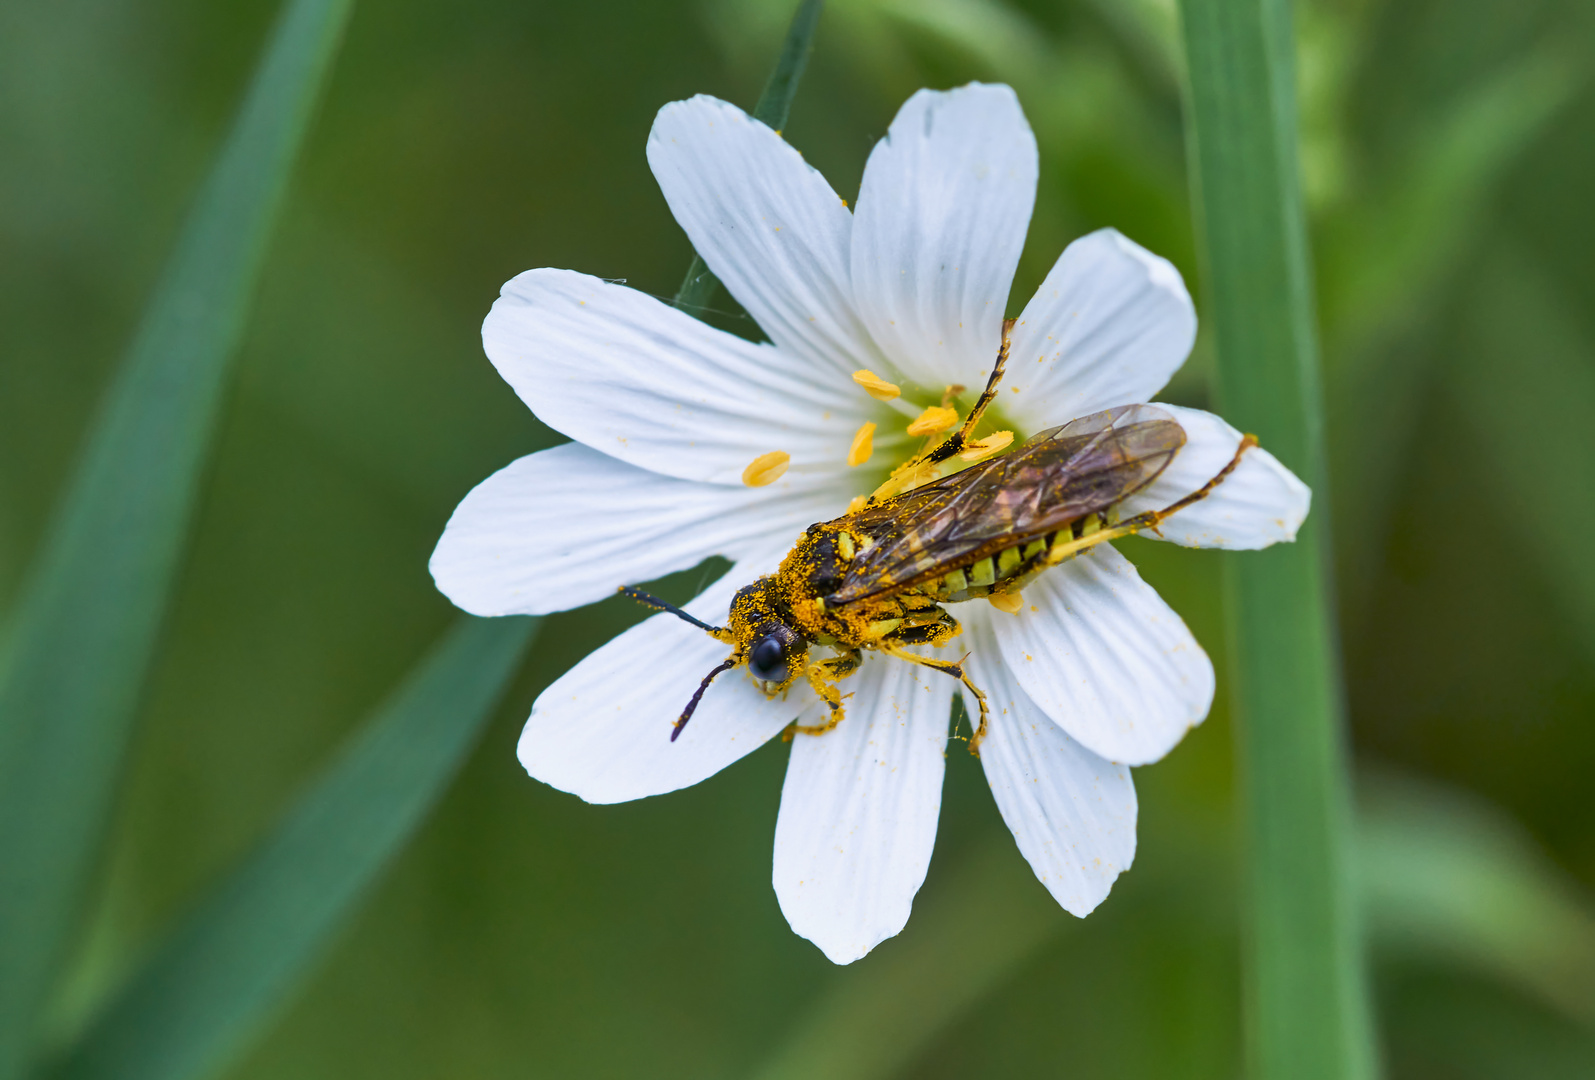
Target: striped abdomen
{"type": "Point", "coordinates": [1011, 567]}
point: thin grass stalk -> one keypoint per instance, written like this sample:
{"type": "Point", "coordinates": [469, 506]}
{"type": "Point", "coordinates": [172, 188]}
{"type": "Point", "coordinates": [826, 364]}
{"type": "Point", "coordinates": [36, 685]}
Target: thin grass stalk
{"type": "Point", "coordinates": [85, 627]}
{"type": "Point", "coordinates": [1306, 1010]}
{"type": "Point", "coordinates": [698, 288]}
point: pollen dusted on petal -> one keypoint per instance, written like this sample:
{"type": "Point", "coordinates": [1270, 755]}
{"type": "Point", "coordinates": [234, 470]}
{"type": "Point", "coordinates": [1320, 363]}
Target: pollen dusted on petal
{"type": "Point", "coordinates": [766, 468]}
{"type": "Point", "coordinates": [1006, 601]}
{"type": "Point", "coordinates": [863, 444]}
{"type": "Point", "coordinates": [932, 420]}
{"type": "Point", "coordinates": [875, 386]}
{"type": "Point", "coordinates": [981, 448]}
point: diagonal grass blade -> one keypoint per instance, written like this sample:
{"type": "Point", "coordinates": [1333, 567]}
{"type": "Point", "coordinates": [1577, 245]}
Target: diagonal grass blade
{"type": "Point", "coordinates": [1305, 1002]}
{"type": "Point", "coordinates": [86, 624]}
{"type": "Point", "coordinates": [775, 104]}
{"type": "Point", "coordinates": [225, 970]}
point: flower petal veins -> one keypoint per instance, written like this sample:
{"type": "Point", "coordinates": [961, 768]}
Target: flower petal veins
{"type": "Point", "coordinates": [859, 808]}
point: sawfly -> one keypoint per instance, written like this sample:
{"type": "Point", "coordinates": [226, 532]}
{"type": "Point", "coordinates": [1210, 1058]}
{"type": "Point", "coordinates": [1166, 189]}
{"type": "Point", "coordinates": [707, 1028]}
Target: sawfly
{"type": "Point", "coordinates": [878, 577]}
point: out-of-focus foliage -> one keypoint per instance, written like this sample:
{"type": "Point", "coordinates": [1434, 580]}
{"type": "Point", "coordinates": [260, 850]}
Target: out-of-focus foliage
{"type": "Point", "coordinates": [1450, 149]}
{"type": "Point", "coordinates": [85, 629]}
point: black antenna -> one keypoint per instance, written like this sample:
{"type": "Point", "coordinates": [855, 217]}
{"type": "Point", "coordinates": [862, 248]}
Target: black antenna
{"type": "Point", "coordinates": [692, 706]}
{"type": "Point", "coordinates": [647, 600]}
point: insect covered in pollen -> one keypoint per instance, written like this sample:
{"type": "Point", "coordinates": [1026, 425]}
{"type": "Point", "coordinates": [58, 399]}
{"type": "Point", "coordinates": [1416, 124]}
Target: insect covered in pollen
{"type": "Point", "coordinates": [878, 577]}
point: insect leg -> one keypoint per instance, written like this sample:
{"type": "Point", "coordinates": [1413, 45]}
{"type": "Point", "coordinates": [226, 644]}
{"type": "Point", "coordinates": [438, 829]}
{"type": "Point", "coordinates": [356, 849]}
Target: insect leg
{"type": "Point", "coordinates": [1150, 518]}
{"type": "Point", "coordinates": [913, 472]}
{"type": "Point", "coordinates": [961, 437]}
{"type": "Point", "coordinates": [823, 676]}
{"type": "Point", "coordinates": [956, 670]}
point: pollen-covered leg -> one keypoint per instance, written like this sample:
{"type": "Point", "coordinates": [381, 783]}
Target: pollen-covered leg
{"type": "Point", "coordinates": [922, 469]}
{"type": "Point", "coordinates": [987, 396]}
{"type": "Point", "coordinates": [1067, 549]}
{"type": "Point", "coordinates": [823, 677]}
{"type": "Point", "coordinates": [956, 670]}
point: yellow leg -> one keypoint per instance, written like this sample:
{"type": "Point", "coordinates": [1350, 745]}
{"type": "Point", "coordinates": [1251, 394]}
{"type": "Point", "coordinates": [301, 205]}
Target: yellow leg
{"type": "Point", "coordinates": [914, 472]}
{"type": "Point", "coordinates": [987, 396]}
{"type": "Point", "coordinates": [956, 670]}
{"type": "Point", "coordinates": [823, 676]}
{"type": "Point", "coordinates": [1151, 518]}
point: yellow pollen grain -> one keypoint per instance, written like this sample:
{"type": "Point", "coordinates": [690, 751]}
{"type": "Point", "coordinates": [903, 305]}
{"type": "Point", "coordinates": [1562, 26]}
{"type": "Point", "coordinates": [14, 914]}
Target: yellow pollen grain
{"type": "Point", "coordinates": [997, 440]}
{"type": "Point", "coordinates": [766, 468]}
{"type": "Point", "coordinates": [1006, 601]}
{"type": "Point", "coordinates": [863, 444]}
{"type": "Point", "coordinates": [875, 386]}
{"type": "Point", "coordinates": [932, 420]}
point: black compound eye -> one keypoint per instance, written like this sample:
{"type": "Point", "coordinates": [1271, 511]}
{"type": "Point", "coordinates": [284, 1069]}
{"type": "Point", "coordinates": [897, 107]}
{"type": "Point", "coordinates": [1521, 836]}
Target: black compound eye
{"type": "Point", "coordinates": [767, 661]}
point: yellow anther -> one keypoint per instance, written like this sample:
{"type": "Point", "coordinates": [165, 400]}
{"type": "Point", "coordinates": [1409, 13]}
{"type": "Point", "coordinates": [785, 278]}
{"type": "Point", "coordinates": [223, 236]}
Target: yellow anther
{"type": "Point", "coordinates": [863, 444]}
{"type": "Point", "coordinates": [1006, 601]}
{"type": "Point", "coordinates": [766, 468]}
{"type": "Point", "coordinates": [875, 386]}
{"type": "Point", "coordinates": [997, 440]}
{"type": "Point", "coordinates": [856, 503]}
{"type": "Point", "coordinates": [906, 477]}
{"type": "Point", "coordinates": [932, 420]}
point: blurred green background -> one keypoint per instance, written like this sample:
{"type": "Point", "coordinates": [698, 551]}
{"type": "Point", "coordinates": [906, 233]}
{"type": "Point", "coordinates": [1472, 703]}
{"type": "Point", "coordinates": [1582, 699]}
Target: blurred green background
{"type": "Point", "coordinates": [1449, 154]}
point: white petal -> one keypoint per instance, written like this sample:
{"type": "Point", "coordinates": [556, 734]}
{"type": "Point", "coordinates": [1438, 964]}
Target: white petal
{"type": "Point", "coordinates": [859, 808]}
{"type": "Point", "coordinates": [1071, 812]}
{"type": "Point", "coordinates": [941, 220]}
{"type": "Point", "coordinates": [1100, 653]}
{"type": "Point", "coordinates": [1109, 326]}
{"type": "Point", "coordinates": [638, 380]}
{"type": "Point", "coordinates": [602, 730]}
{"type": "Point", "coordinates": [568, 526]}
{"type": "Point", "coordinates": [768, 225]}
{"type": "Point", "coordinates": [1259, 504]}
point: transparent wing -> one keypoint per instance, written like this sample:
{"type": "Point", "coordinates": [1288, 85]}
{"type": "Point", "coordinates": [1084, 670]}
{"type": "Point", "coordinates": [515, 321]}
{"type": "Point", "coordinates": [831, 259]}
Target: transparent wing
{"type": "Point", "coordinates": [1057, 476]}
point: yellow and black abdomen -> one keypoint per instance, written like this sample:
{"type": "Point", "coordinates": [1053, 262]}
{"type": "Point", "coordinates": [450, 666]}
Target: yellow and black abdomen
{"type": "Point", "coordinates": [1009, 568]}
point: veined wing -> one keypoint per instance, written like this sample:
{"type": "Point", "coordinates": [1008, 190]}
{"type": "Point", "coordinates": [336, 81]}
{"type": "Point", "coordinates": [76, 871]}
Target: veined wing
{"type": "Point", "coordinates": [1056, 477]}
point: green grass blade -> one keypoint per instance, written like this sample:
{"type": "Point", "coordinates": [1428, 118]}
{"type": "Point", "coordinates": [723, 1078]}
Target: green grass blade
{"type": "Point", "coordinates": [1306, 1004]}
{"type": "Point", "coordinates": [775, 105]}
{"type": "Point", "coordinates": [240, 954]}
{"type": "Point", "coordinates": [85, 627]}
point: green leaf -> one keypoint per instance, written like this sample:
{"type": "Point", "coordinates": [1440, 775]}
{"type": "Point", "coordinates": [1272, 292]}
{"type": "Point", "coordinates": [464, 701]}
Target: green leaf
{"type": "Point", "coordinates": [255, 937]}
{"type": "Point", "coordinates": [86, 625]}
{"type": "Point", "coordinates": [775, 104]}
{"type": "Point", "coordinates": [1305, 1001]}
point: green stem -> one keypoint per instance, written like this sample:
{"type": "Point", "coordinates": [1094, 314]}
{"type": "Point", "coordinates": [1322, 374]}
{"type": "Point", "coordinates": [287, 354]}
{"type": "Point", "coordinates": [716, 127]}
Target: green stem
{"type": "Point", "coordinates": [775, 105]}
{"type": "Point", "coordinates": [1306, 1006]}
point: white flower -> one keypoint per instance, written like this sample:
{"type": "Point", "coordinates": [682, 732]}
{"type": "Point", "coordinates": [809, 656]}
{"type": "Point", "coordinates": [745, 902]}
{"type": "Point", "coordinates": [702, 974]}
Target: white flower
{"type": "Point", "coordinates": [1094, 674]}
